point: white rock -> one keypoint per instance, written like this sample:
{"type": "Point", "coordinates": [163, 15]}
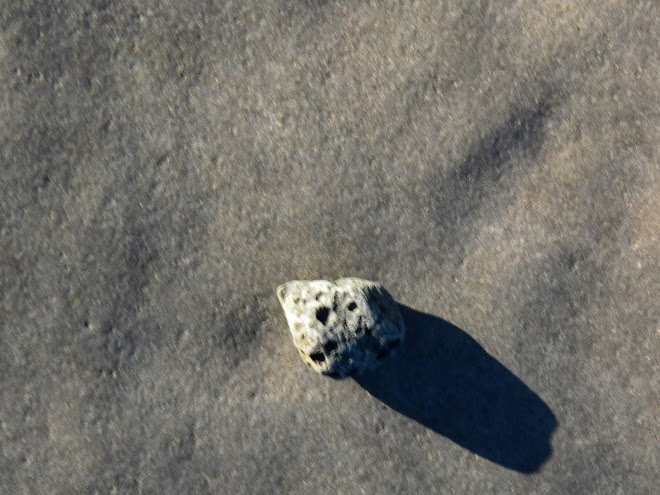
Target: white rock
{"type": "Point", "coordinates": [344, 327]}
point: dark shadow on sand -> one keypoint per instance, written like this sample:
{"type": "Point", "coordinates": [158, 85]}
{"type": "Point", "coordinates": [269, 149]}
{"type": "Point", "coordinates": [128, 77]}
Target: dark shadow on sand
{"type": "Point", "coordinates": [442, 378]}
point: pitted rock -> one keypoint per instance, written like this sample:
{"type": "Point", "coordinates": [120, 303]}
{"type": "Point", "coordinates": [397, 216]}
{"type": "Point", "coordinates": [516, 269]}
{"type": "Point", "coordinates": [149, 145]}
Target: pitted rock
{"type": "Point", "coordinates": [341, 328]}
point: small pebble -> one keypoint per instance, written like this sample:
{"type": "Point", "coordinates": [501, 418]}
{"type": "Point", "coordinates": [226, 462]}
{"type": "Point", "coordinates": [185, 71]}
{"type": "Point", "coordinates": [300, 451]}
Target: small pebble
{"type": "Point", "coordinates": [341, 328]}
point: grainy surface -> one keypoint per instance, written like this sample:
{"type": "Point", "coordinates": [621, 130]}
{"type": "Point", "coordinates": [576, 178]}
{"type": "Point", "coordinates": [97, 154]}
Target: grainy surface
{"type": "Point", "coordinates": [165, 165]}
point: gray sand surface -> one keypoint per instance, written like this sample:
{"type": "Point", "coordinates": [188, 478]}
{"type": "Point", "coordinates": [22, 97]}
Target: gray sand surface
{"type": "Point", "coordinates": [165, 165]}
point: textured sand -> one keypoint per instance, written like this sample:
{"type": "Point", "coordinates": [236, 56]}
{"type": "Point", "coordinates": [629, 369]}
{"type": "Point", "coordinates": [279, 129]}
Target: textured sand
{"type": "Point", "coordinates": [165, 165]}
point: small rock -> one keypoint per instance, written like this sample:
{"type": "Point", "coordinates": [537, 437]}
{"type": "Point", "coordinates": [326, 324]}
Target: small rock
{"type": "Point", "coordinates": [341, 328]}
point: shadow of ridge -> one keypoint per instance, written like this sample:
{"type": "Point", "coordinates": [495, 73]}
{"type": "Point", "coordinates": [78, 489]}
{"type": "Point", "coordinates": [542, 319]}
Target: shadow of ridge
{"type": "Point", "coordinates": [442, 378]}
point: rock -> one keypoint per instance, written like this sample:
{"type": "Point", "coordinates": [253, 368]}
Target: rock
{"type": "Point", "coordinates": [341, 328]}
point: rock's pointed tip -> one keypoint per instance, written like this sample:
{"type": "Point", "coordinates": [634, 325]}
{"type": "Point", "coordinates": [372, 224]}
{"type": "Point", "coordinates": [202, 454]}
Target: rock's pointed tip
{"type": "Point", "coordinates": [281, 292]}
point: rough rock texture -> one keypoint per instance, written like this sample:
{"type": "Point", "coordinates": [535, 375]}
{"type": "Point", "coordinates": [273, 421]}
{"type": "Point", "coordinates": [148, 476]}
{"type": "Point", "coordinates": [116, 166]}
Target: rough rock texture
{"type": "Point", "coordinates": [341, 328]}
{"type": "Point", "coordinates": [164, 165]}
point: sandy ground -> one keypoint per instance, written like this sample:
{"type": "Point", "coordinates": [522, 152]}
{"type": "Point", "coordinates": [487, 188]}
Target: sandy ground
{"type": "Point", "coordinates": [166, 164]}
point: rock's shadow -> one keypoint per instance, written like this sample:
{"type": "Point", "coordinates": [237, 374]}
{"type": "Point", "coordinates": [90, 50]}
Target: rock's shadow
{"type": "Point", "coordinates": [442, 378]}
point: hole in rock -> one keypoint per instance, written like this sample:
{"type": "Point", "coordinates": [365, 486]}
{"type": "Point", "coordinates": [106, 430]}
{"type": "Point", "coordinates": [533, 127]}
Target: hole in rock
{"type": "Point", "coordinates": [322, 314]}
{"type": "Point", "coordinates": [317, 357]}
{"type": "Point", "coordinates": [352, 306]}
{"type": "Point", "coordinates": [330, 346]}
